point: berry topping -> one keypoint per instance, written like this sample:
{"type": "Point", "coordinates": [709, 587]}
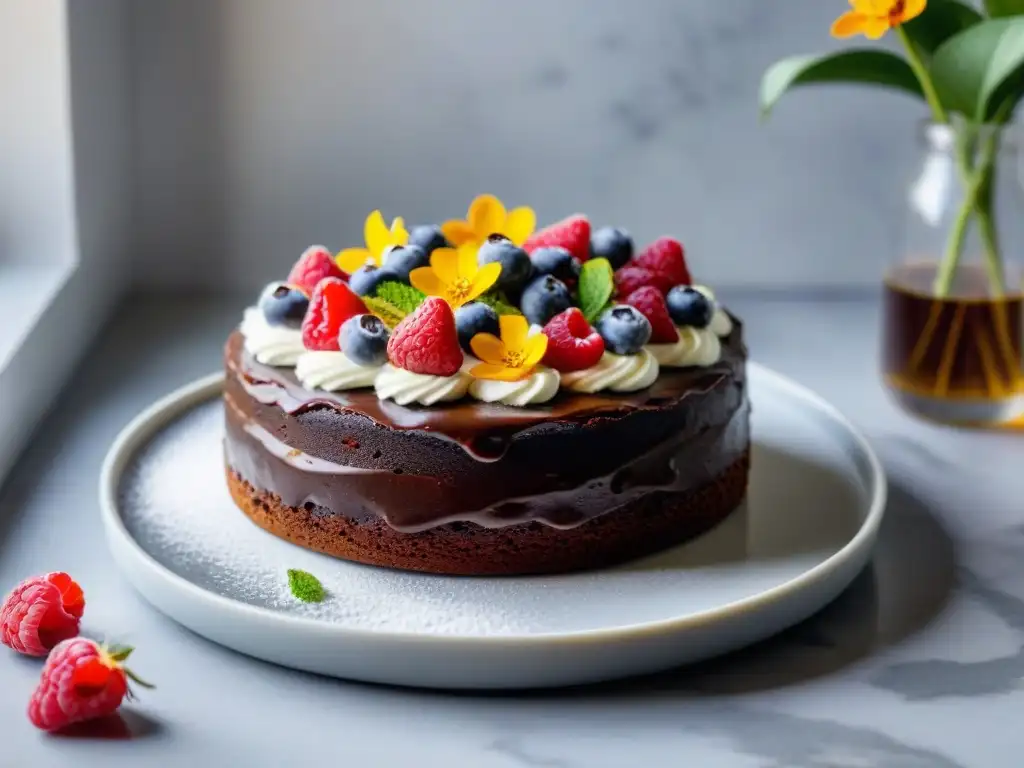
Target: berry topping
{"type": "Point", "coordinates": [624, 329]}
{"type": "Point", "coordinates": [572, 344]}
{"type": "Point", "coordinates": [402, 260]}
{"type": "Point", "coordinates": [572, 233]}
{"type": "Point", "coordinates": [688, 306]}
{"type": "Point", "coordinates": [364, 340]}
{"type": "Point", "coordinates": [284, 305]}
{"type": "Point", "coordinates": [81, 680]}
{"type": "Point", "coordinates": [364, 281]}
{"type": "Point", "coordinates": [665, 257]}
{"type": "Point", "coordinates": [544, 298]}
{"type": "Point", "coordinates": [315, 263]}
{"type": "Point", "coordinates": [651, 304]}
{"type": "Point", "coordinates": [613, 244]}
{"type": "Point", "coordinates": [428, 237]}
{"type": "Point", "coordinates": [471, 319]}
{"type": "Point", "coordinates": [516, 266]}
{"type": "Point", "coordinates": [41, 612]}
{"type": "Point", "coordinates": [631, 278]}
{"type": "Point", "coordinates": [557, 262]}
{"type": "Point", "coordinates": [332, 303]}
{"type": "Point", "coordinates": [426, 341]}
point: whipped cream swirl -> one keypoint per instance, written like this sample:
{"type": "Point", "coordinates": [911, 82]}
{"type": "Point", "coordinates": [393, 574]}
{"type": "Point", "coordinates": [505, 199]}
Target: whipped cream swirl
{"type": "Point", "coordinates": [406, 387]}
{"type": "Point", "coordinates": [618, 373]}
{"type": "Point", "coordinates": [539, 387]}
{"type": "Point", "coordinates": [270, 344]}
{"type": "Point", "coordinates": [695, 347]}
{"type": "Point", "coordinates": [721, 323]}
{"type": "Point", "coordinates": [333, 371]}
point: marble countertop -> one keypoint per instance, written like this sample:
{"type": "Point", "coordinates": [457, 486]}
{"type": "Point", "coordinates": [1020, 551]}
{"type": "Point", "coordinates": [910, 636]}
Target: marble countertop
{"type": "Point", "coordinates": [918, 665]}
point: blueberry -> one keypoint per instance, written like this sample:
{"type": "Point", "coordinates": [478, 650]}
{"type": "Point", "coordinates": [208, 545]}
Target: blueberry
{"type": "Point", "coordinates": [544, 298]}
{"type": "Point", "coordinates": [623, 329]}
{"type": "Point", "coordinates": [364, 281]}
{"type": "Point", "coordinates": [613, 244]}
{"type": "Point", "coordinates": [364, 340]}
{"type": "Point", "coordinates": [428, 237]}
{"type": "Point", "coordinates": [283, 304]}
{"type": "Point", "coordinates": [688, 306]}
{"type": "Point", "coordinates": [516, 266]}
{"type": "Point", "coordinates": [557, 262]}
{"type": "Point", "coordinates": [404, 259]}
{"type": "Point", "coordinates": [474, 318]}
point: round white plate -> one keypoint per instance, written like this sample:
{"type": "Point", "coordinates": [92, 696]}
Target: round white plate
{"type": "Point", "coordinates": [816, 498]}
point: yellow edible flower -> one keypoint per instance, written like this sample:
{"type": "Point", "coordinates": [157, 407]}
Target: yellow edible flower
{"type": "Point", "coordinates": [454, 275]}
{"type": "Point", "coordinates": [487, 216]}
{"type": "Point", "coordinates": [873, 18]}
{"type": "Point", "coordinates": [378, 240]}
{"type": "Point", "coordinates": [513, 356]}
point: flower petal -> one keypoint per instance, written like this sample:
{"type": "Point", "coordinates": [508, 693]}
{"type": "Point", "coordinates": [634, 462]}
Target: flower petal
{"type": "Point", "coordinates": [875, 28]}
{"type": "Point", "coordinates": [376, 233]}
{"type": "Point", "coordinates": [352, 259]}
{"type": "Point", "coordinates": [514, 330]}
{"type": "Point", "coordinates": [458, 232]}
{"type": "Point", "coordinates": [912, 9]}
{"type": "Point", "coordinates": [424, 279]}
{"type": "Point", "coordinates": [519, 224]}
{"type": "Point", "coordinates": [399, 234]}
{"type": "Point", "coordinates": [486, 215]}
{"type": "Point", "coordinates": [486, 276]}
{"type": "Point", "coordinates": [467, 260]}
{"type": "Point", "coordinates": [445, 263]}
{"type": "Point", "coordinates": [534, 349]}
{"type": "Point", "coordinates": [496, 372]}
{"type": "Point", "coordinates": [849, 24]}
{"type": "Point", "coordinates": [488, 348]}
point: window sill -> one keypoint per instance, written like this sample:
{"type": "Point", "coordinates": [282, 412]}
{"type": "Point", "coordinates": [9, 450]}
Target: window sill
{"type": "Point", "coordinates": [25, 294]}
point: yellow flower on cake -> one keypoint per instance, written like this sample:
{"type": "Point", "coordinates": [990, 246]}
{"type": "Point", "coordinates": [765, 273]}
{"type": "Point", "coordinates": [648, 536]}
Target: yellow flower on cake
{"type": "Point", "coordinates": [487, 216]}
{"type": "Point", "coordinates": [873, 18]}
{"type": "Point", "coordinates": [512, 357]}
{"type": "Point", "coordinates": [455, 276]}
{"type": "Point", "coordinates": [379, 239]}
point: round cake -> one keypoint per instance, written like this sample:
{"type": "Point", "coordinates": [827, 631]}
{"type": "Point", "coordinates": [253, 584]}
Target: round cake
{"type": "Point", "coordinates": [480, 398]}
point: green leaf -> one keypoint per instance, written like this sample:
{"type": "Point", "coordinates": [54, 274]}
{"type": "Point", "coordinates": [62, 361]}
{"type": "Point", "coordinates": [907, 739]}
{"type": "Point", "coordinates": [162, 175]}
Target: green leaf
{"type": "Point", "coordinates": [997, 8]}
{"type": "Point", "coordinates": [499, 303]}
{"type": "Point", "coordinates": [940, 20]}
{"type": "Point", "coordinates": [597, 281]}
{"type": "Point", "coordinates": [861, 66]}
{"type": "Point", "coordinates": [389, 314]}
{"type": "Point", "coordinates": [978, 70]}
{"type": "Point", "coordinates": [400, 295]}
{"type": "Point", "coordinates": [305, 586]}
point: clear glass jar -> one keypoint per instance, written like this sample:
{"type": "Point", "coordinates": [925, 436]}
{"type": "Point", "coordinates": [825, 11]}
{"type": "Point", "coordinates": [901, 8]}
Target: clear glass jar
{"type": "Point", "coordinates": [953, 305]}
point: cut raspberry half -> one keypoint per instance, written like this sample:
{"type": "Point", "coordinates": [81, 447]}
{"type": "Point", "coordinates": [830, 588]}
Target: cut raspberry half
{"type": "Point", "coordinates": [426, 341]}
{"type": "Point", "coordinates": [315, 264]}
{"type": "Point", "coordinates": [651, 303]}
{"type": "Point", "coordinates": [331, 304]}
{"type": "Point", "coordinates": [665, 257]}
{"type": "Point", "coordinates": [572, 233]}
{"type": "Point", "coordinates": [632, 278]}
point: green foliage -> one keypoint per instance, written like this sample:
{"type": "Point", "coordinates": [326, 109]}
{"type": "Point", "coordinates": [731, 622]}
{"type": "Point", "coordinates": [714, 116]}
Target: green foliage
{"type": "Point", "coordinates": [389, 314]}
{"type": "Point", "coordinates": [597, 282]}
{"type": "Point", "coordinates": [857, 66]}
{"type": "Point", "coordinates": [940, 21]}
{"type": "Point", "coordinates": [980, 72]}
{"type": "Point", "coordinates": [998, 8]}
{"type": "Point", "coordinates": [499, 303]}
{"type": "Point", "coordinates": [305, 586]}
{"type": "Point", "coordinates": [404, 297]}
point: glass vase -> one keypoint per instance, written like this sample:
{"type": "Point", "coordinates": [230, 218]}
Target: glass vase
{"type": "Point", "coordinates": [953, 305]}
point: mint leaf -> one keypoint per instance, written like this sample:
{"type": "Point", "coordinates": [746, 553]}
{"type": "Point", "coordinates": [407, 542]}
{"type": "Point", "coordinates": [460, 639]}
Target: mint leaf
{"type": "Point", "coordinates": [499, 303]}
{"type": "Point", "coordinates": [389, 314]}
{"type": "Point", "coordinates": [305, 586]}
{"type": "Point", "coordinates": [597, 281]}
{"type": "Point", "coordinates": [404, 297]}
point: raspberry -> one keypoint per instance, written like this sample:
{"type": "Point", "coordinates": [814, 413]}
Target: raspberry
{"type": "Point", "coordinates": [572, 344]}
{"type": "Point", "coordinates": [631, 278]}
{"type": "Point", "coordinates": [40, 612]}
{"type": "Point", "coordinates": [331, 304]}
{"type": "Point", "coordinates": [651, 303]}
{"type": "Point", "coordinates": [80, 681]}
{"type": "Point", "coordinates": [572, 233]}
{"type": "Point", "coordinates": [426, 341]}
{"type": "Point", "coordinates": [665, 256]}
{"type": "Point", "coordinates": [315, 263]}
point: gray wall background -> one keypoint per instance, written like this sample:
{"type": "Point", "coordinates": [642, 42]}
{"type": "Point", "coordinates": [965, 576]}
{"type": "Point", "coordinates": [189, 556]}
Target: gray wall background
{"type": "Point", "coordinates": [262, 126]}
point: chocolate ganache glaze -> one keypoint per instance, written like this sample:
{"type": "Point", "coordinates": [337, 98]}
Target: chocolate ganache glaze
{"type": "Point", "coordinates": [561, 464]}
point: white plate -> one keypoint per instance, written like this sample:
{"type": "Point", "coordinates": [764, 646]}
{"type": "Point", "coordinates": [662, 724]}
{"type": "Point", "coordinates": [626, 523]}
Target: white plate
{"type": "Point", "coordinates": [816, 498]}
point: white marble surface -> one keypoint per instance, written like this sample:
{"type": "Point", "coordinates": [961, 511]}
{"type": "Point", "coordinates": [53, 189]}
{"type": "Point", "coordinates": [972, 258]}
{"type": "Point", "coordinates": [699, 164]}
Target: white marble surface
{"type": "Point", "coordinates": [918, 665]}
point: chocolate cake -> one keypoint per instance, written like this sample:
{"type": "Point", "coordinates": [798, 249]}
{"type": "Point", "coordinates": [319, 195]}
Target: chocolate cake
{"type": "Point", "coordinates": [574, 438]}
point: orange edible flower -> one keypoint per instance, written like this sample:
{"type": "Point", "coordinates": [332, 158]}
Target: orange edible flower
{"type": "Point", "coordinates": [873, 18]}
{"type": "Point", "coordinates": [454, 275]}
{"type": "Point", "coordinates": [513, 356]}
{"type": "Point", "coordinates": [379, 239]}
{"type": "Point", "coordinates": [487, 216]}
